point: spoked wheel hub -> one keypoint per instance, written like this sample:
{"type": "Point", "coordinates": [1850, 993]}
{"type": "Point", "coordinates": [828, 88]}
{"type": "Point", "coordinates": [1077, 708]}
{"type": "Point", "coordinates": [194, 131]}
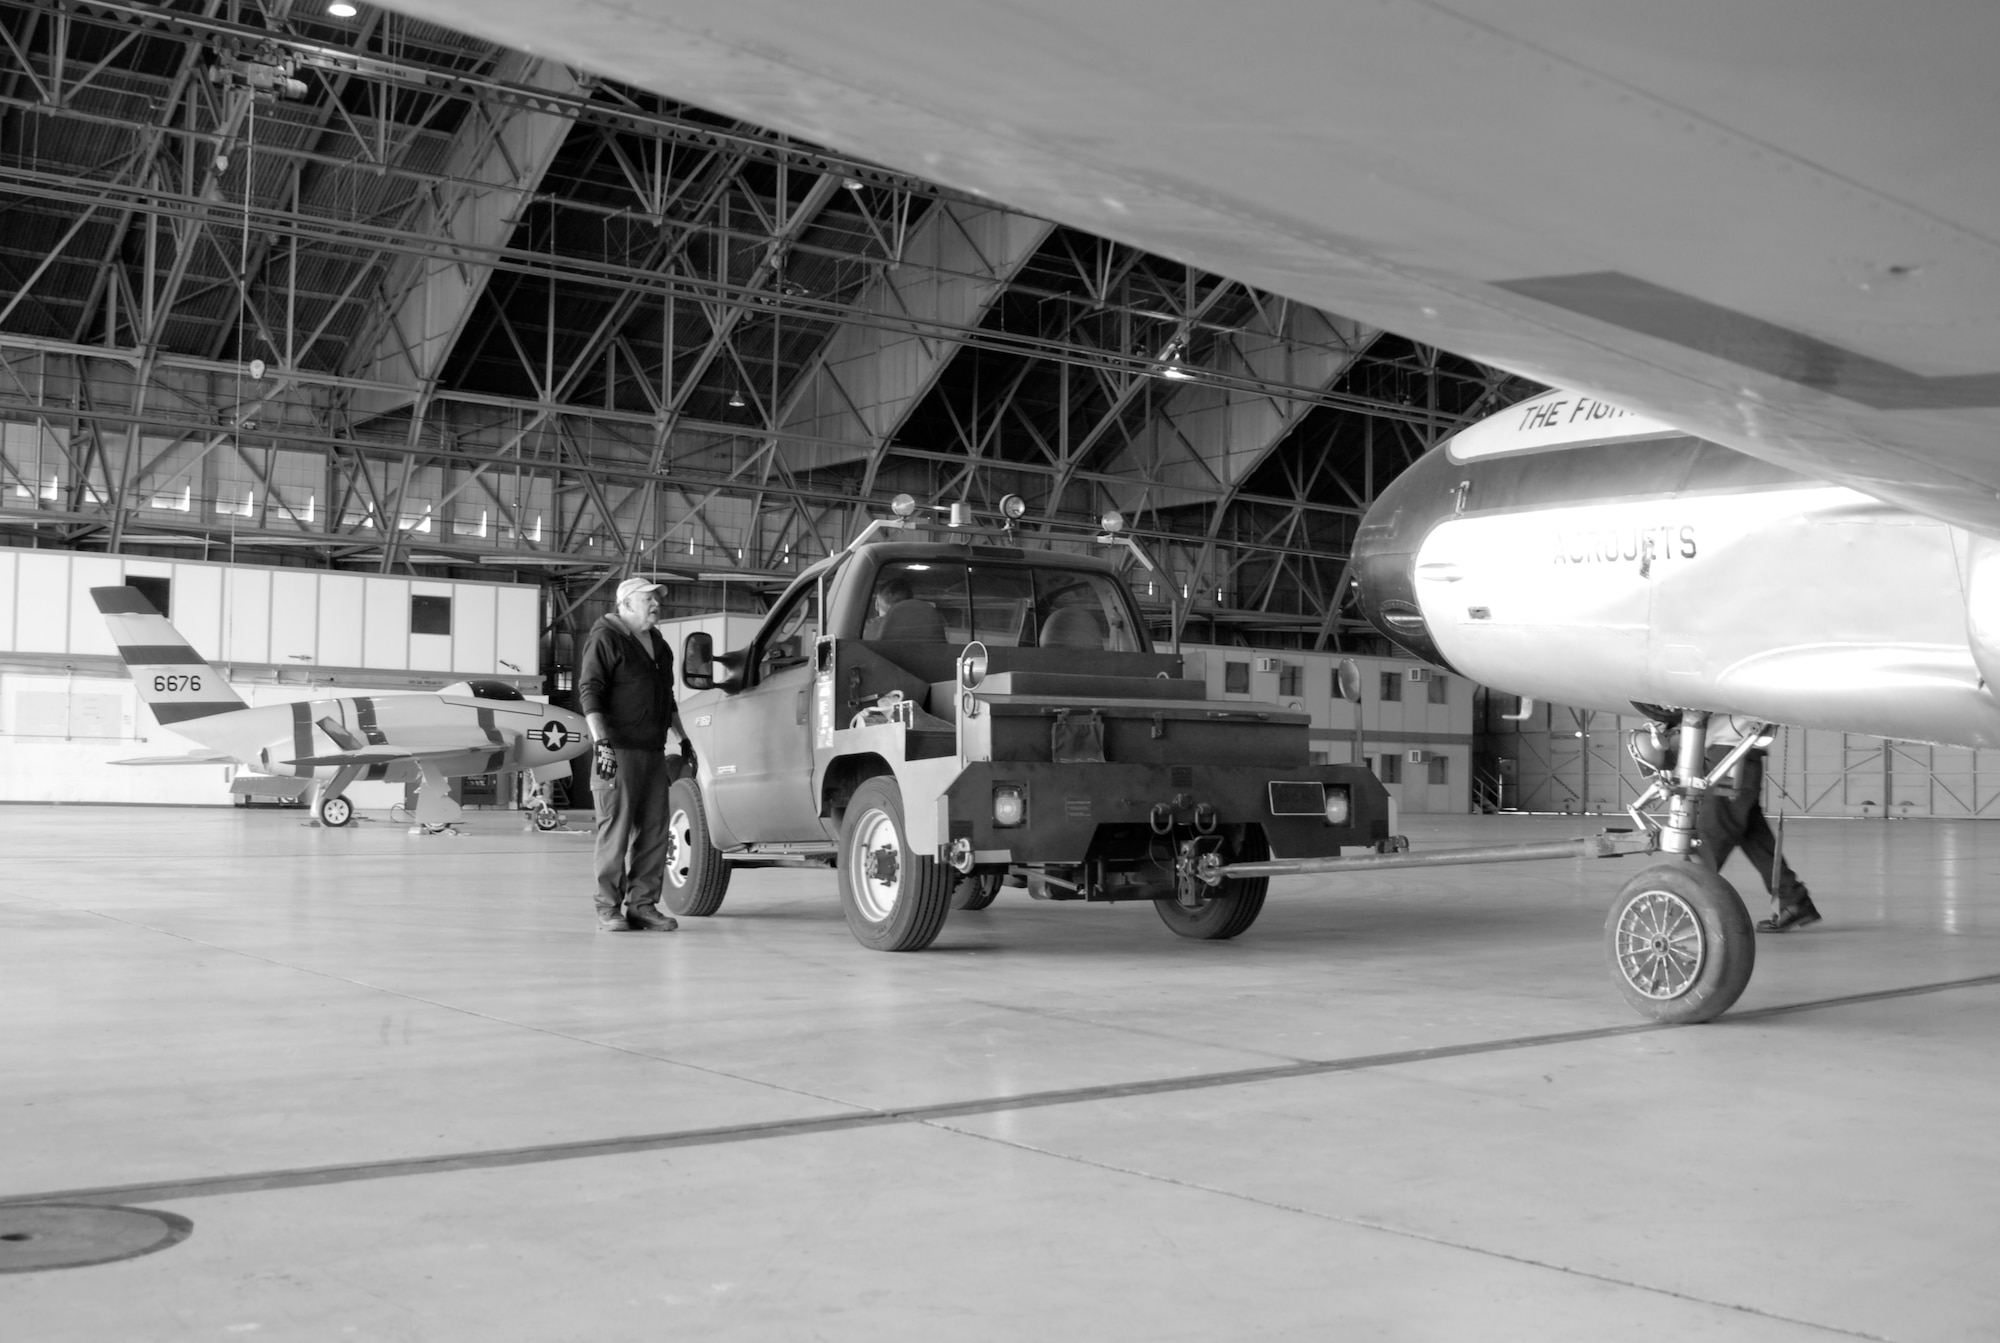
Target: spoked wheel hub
{"type": "Point", "coordinates": [1661, 948]}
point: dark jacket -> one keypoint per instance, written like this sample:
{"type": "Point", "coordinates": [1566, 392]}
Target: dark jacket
{"type": "Point", "coordinates": [635, 693]}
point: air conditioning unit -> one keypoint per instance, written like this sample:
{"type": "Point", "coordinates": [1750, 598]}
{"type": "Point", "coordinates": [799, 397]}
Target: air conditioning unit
{"type": "Point", "coordinates": [1417, 757]}
{"type": "Point", "coordinates": [1418, 673]}
{"type": "Point", "coordinates": [1267, 664]}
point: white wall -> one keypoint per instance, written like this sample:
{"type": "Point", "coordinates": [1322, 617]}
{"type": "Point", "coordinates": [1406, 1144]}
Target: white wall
{"type": "Point", "coordinates": [288, 618]}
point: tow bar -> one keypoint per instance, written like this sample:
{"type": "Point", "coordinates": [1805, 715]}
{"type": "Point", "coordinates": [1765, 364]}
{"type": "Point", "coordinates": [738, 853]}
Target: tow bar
{"type": "Point", "coordinates": [1609, 844]}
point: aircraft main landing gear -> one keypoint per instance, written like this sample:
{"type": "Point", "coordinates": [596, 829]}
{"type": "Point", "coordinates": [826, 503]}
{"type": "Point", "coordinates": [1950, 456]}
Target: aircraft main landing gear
{"type": "Point", "coordinates": [333, 811]}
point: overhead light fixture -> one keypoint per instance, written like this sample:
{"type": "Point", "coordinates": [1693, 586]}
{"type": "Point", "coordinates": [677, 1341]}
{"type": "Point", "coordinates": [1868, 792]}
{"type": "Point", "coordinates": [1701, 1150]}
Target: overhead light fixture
{"type": "Point", "coordinates": [852, 184]}
{"type": "Point", "coordinates": [736, 398]}
{"type": "Point", "coordinates": [340, 9]}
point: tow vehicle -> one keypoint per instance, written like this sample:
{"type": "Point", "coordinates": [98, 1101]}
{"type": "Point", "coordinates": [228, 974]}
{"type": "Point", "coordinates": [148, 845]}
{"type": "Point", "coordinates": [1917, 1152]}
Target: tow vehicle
{"type": "Point", "coordinates": [934, 718]}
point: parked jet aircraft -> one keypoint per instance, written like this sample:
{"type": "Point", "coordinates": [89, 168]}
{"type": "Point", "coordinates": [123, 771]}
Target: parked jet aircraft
{"type": "Point", "coordinates": [477, 727]}
{"type": "Point", "coordinates": [1766, 225]}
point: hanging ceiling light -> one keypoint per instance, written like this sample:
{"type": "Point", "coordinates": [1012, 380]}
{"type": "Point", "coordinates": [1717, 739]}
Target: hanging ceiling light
{"type": "Point", "coordinates": [340, 9]}
{"type": "Point", "coordinates": [736, 398]}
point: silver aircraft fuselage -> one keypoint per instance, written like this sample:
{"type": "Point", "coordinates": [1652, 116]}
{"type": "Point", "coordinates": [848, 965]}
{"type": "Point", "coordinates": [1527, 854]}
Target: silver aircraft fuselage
{"type": "Point", "coordinates": [1576, 553]}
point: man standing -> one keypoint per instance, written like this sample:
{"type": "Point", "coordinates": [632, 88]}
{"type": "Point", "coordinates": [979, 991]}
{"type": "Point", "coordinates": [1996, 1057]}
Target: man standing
{"type": "Point", "coordinates": [626, 688]}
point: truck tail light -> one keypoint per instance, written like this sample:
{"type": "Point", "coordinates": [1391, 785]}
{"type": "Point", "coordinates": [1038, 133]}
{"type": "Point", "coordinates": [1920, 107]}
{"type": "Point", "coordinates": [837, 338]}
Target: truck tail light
{"type": "Point", "coordinates": [1338, 806]}
{"type": "Point", "coordinates": [1010, 804]}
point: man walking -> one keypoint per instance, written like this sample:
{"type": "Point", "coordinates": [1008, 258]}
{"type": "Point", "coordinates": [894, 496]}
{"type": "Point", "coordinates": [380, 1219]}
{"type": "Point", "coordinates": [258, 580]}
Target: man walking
{"type": "Point", "coordinates": [626, 689]}
{"type": "Point", "coordinates": [1730, 819]}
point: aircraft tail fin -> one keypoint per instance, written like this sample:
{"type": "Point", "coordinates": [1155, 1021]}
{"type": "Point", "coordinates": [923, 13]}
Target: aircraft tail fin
{"type": "Point", "coordinates": [175, 681]}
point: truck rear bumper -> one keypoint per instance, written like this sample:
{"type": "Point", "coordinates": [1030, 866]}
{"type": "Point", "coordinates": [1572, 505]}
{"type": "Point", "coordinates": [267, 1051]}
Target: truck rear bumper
{"type": "Point", "coordinates": [1065, 805]}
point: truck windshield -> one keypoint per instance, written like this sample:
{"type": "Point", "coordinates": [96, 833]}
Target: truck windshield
{"type": "Point", "coordinates": [1002, 605]}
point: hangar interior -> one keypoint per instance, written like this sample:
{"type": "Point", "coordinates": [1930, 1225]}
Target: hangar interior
{"type": "Point", "coordinates": [312, 317]}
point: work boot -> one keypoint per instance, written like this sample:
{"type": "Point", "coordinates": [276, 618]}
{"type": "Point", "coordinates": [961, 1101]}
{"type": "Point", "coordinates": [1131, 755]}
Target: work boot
{"type": "Point", "coordinates": [1799, 915]}
{"type": "Point", "coordinates": [611, 919]}
{"type": "Point", "coordinates": [648, 919]}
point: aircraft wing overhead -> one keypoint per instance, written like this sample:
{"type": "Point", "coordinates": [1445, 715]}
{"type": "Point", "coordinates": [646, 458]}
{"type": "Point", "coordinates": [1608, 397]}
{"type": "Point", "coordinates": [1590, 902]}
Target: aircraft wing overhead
{"type": "Point", "coordinates": [1773, 225]}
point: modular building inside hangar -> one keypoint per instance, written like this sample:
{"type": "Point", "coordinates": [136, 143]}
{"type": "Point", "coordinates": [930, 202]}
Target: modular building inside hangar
{"type": "Point", "coordinates": [375, 354]}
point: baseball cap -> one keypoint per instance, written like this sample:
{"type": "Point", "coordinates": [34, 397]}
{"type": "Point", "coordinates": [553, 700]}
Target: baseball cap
{"type": "Point", "coordinates": [632, 586]}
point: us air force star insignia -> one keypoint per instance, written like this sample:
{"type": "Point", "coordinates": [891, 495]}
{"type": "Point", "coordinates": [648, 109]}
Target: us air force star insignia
{"type": "Point", "coordinates": [554, 736]}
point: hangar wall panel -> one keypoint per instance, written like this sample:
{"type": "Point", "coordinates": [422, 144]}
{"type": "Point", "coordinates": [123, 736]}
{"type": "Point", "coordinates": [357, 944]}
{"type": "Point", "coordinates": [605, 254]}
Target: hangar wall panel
{"type": "Point", "coordinates": [88, 634]}
{"type": "Point", "coordinates": [197, 603]}
{"type": "Point", "coordinates": [42, 597]}
{"type": "Point", "coordinates": [294, 617]}
{"type": "Point", "coordinates": [472, 616]}
{"type": "Point", "coordinates": [8, 567]}
{"type": "Point", "coordinates": [246, 615]}
{"type": "Point", "coordinates": [517, 629]}
{"type": "Point", "coordinates": [386, 629]}
{"type": "Point", "coordinates": [340, 616]}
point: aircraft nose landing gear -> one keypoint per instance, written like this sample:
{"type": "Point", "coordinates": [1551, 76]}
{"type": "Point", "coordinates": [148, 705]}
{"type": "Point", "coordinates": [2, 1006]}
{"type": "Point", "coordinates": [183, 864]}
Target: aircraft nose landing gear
{"type": "Point", "coordinates": [1680, 942]}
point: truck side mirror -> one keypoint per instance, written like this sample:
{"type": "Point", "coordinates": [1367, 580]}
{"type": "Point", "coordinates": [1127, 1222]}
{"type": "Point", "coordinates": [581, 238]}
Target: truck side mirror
{"type": "Point", "coordinates": [698, 661]}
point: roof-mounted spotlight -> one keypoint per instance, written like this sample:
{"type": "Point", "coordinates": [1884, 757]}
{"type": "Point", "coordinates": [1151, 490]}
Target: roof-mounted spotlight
{"type": "Point", "coordinates": [1113, 522]}
{"type": "Point", "coordinates": [903, 505]}
{"type": "Point", "coordinates": [1013, 507]}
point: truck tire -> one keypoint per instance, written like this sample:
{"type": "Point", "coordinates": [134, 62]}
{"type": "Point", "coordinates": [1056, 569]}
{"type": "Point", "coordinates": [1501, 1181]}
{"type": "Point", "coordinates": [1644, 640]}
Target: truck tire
{"type": "Point", "coordinates": [894, 900]}
{"type": "Point", "coordinates": [1680, 943]}
{"type": "Point", "coordinates": [697, 877]}
{"type": "Point", "coordinates": [976, 891]}
{"type": "Point", "coordinates": [1232, 908]}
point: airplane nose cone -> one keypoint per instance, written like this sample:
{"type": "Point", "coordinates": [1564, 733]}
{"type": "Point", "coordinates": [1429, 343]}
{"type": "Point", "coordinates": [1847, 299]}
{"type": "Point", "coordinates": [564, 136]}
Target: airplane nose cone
{"type": "Point", "coordinates": [1383, 573]}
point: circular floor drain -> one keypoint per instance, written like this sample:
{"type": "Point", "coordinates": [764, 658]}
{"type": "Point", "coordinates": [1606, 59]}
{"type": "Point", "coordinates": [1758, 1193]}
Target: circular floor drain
{"type": "Point", "coordinates": [39, 1236]}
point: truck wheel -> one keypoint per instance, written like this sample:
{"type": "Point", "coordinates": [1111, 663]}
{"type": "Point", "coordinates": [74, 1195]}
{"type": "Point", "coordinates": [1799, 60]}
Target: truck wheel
{"type": "Point", "coordinates": [894, 900]}
{"type": "Point", "coordinates": [976, 891]}
{"type": "Point", "coordinates": [1231, 908]}
{"type": "Point", "coordinates": [1680, 943]}
{"type": "Point", "coordinates": [697, 877]}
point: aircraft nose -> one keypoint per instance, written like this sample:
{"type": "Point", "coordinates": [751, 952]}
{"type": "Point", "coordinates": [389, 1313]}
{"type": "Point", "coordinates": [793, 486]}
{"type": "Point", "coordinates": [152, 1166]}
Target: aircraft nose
{"type": "Point", "coordinates": [1383, 573]}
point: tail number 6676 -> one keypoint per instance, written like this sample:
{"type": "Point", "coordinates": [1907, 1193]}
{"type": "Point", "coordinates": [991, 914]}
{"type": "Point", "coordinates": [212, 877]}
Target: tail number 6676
{"type": "Point", "coordinates": [168, 685]}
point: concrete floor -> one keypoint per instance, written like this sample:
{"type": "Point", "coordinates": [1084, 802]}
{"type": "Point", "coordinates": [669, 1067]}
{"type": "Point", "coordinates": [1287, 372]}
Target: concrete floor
{"type": "Point", "coordinates": [404, 1091]}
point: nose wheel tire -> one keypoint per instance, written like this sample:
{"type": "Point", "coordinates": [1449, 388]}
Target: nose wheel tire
{"type": "Point", "coordinates": [1228, 909]}
{"type": "Point", "coordinates": [1680, 943]}
{"type": "Point", "coordinates": [894, 900]}
{"type": "Point", "coordinates": [697, 876]}
{"type": "Point", "coordinates": [334, 812]}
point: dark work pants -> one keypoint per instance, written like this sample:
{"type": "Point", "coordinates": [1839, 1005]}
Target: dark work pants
{"type": "Point", "coordinates": [1726, 824]}
{"type": "Point", "coordinates": [631, 831]}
